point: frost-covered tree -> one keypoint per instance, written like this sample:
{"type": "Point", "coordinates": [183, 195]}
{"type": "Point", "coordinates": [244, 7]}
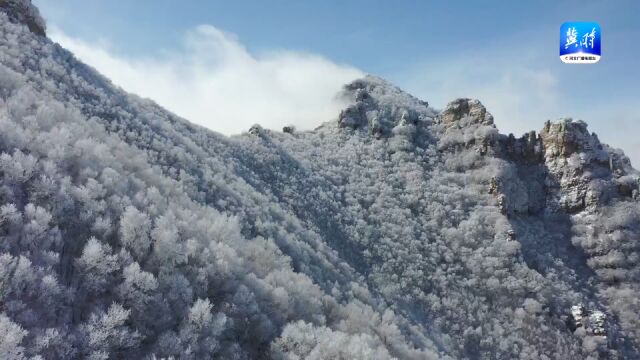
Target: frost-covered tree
{"type": "Point", "coordinates": [11, 335]}
{"type": "Point", "coordinates": [134, 231]}
{"type": "Point", "coordinates": [109, 335]}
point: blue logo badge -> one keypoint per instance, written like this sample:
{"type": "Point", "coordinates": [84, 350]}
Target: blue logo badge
{"type": "Point", "coordinates": [580, 42]}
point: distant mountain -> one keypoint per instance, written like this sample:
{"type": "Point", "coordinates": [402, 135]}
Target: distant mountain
{"type": "Point", "coordinates": [391, 231]}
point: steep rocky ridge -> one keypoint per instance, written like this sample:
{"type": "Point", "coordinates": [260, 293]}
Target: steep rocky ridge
{"type": "Point", "coordinates": [24, 12]}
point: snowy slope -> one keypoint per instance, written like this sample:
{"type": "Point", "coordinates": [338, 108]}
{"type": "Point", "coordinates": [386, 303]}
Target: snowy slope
{"type": "Point", "coordinates": [392, 231]}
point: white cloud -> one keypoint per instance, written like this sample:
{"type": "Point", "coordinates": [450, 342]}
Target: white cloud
{"type": "Point", "coordinates": [216, 82]}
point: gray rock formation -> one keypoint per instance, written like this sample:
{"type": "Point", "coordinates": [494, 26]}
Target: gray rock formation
{"type": "Point", "coordinates": [376, 108]}
{"type": "Point", "coordinates": [570, 170]}
{"type": "Point", "coordinates": [472, 109]}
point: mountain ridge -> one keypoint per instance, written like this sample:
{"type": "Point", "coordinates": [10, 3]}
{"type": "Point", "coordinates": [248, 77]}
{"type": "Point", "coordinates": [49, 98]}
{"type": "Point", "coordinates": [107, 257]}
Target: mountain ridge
{"type": "Point", "coordinates": [24, 12]}
{"type": "Point", "coordinates": [392, 231]}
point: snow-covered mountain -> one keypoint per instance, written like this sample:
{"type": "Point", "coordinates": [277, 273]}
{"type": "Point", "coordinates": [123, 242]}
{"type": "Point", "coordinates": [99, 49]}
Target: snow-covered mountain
{"type": "Point", "coordinates": [391, 231]}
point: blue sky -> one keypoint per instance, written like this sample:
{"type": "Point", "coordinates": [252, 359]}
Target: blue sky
{"type": "Point", "coordinates": [501, 52]}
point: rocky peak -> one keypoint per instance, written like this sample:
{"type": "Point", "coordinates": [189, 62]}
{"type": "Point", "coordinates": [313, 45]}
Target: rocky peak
{"type": "Point", "coordinates": [466, 123]}
{"type": "Point", "coordinates": [256, 130]}
{"type": "Point", "coordinates": [567, 137]}
{"type": "Point", "coordinates": [582, 172]}
{"type": "Point", "coordinates": [465, 111]}
{"type": "Point", "coordinates": [568, 165]}
{"type": "Point", "coordinates": [378, 107]}
{"type": "Point", "coordinates": [24, 12]}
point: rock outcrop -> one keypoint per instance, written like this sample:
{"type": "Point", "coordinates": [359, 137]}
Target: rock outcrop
{"type": "Point", "coordinates": [379, 107]}
{"type": "Point", "coordinates": [593, 322]}
{"type": "Point", "coordinates": [465, 124]}
{"type": "Point", "coordinates": [582, 173]}
{"type": "Point", "coordinates": [462, 108]}
{"type": "Point", "coordinates": [568, 167]}
{"type": "Point", "coordinates": [567, 137]}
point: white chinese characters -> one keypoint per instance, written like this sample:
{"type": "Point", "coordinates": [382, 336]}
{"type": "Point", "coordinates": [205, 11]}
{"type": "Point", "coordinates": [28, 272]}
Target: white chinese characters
{"type": "Point", "coordinates": [572, 37]}
{"type": "Point", "coordinates": [587, 40]}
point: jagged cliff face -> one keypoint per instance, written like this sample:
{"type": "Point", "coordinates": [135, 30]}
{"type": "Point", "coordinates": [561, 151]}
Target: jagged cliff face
{"type": "Point", "coordinates": [570, 195]}
{"type": "Point", "coordinates": [392, 231]}
{"type": "Point", "coordinates": [575, 171]}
